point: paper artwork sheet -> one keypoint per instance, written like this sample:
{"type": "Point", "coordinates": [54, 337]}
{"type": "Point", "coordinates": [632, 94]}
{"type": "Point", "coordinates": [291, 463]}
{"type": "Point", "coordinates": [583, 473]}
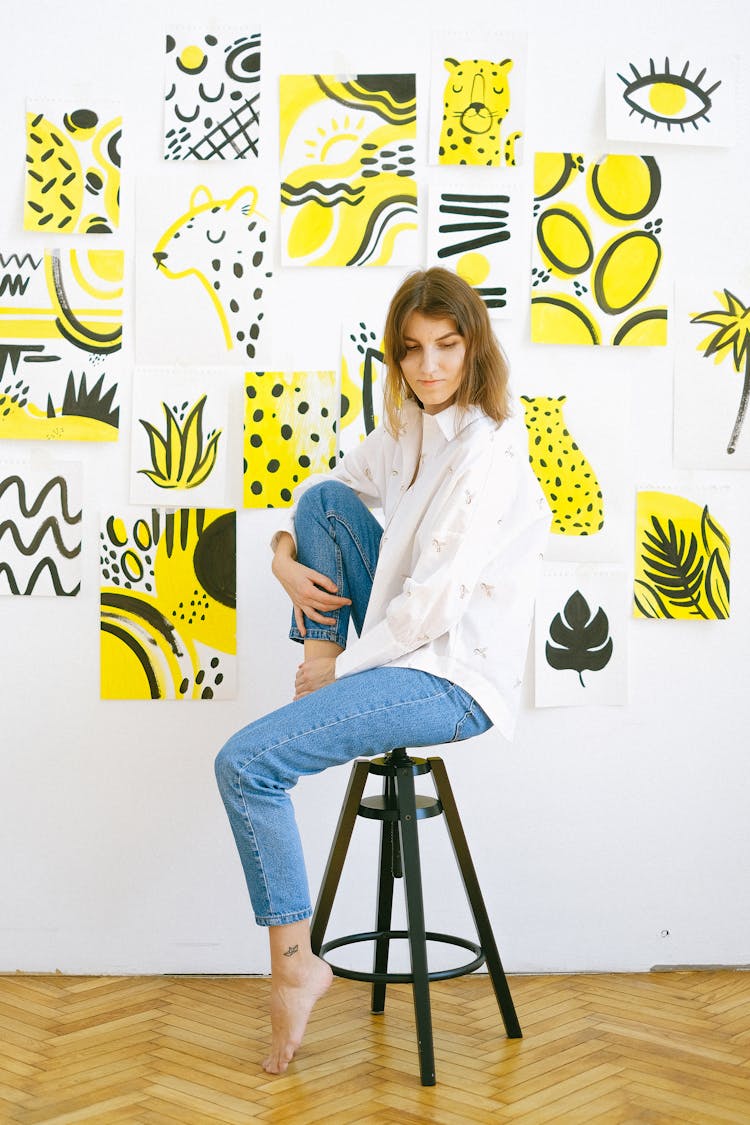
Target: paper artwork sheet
{"type": "Point", "coordinates": [290, 433]}
{"type": "Point", "coordinates": [712, 374]}
{"type": "Point", "coordinates": [40, 528]}
{"type": "Point", "coordinates": [362, 378]}
{"type": "Point", "coordinates": [180, 423]}
{"type": "Point", "coordinates": [681, 97]}
{"type": "Point", "coordinates": [60, 338]}
{"type": "Point", "coordinates": [212, 94]}
{"type": "Point", "coordinates": [470, 230]}
{"type": "Point", "coordinates": [682, 552]}
{"type": "Point", "coordinates": [580, 636]}
{"type": "Point", "coordinates": [578, 440]}
{"type": "Point", "coordinates": [597, 271]}
{"type": "Point", "coordinates": [477, 98]}
{"type": "Point", "coordinates": [168, 620]}
{"type": "Point", "coordinates": [203, 268]}
{"type": "Point", "coordinates": [348, 170]}
{"type": "Point", "coordinates": [73, 156]}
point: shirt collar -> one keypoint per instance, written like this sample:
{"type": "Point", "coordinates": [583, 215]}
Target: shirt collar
{"type": "Point", "coordinates": [452, 420]}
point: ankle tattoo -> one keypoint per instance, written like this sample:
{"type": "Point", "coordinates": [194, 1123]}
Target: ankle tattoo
{"type": "Point", "coordinates": [291, 951]}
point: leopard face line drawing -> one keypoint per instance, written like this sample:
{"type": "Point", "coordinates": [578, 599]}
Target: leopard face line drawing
{"type": "Point", "coordinates": [475, 103]}
{"type": "Point", "coordinates": [223, 243]}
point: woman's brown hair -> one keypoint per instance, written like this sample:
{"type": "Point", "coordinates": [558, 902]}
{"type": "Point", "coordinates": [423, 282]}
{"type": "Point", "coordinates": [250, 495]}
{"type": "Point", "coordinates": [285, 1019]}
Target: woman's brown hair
{"type": "Point", "coordinates": [437, 292]}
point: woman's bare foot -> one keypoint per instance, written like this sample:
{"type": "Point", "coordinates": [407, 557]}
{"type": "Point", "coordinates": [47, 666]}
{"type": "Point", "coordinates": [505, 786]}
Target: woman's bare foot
{"type": "Point", "coordinates": [293, 996]}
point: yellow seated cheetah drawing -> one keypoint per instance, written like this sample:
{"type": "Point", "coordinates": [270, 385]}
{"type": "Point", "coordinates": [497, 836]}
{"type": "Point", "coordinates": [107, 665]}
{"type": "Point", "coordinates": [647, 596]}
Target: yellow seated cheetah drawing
{"type": "Point", "coordinates": [566, 476]}
{"type": "Point", "coordinates": [475, 102]}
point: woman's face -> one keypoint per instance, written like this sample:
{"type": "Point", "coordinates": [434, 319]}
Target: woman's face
{"type": "Point", "coordinates": [433, 365]}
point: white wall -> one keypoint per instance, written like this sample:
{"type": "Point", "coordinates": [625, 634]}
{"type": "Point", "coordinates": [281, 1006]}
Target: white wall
{"type": "Point", "coordinates": [606, 838]}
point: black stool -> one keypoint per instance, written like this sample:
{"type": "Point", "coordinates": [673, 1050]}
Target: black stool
{"type": "Point", "coordinates": [399, 809]}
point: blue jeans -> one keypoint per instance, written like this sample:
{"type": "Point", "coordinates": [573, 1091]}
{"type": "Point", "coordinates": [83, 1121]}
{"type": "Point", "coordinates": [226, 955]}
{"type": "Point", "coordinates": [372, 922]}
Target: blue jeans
{"type": "Point", "coordinates": [359, 715]}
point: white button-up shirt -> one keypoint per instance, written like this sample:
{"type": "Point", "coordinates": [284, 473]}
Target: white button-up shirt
{"type": "Point", "coordinates": [460, 556]}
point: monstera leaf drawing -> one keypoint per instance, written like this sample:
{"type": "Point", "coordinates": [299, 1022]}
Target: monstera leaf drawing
{"type": "Point", "coordinates": [581, 641]}
{"type": "Point", "coordinates": [682, 566]}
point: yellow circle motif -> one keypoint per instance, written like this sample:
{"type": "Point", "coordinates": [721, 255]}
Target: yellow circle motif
{"type": "Point", "coordinates": [624, 188]}
{"type": "Point", "coordinates": [473, 268]}
{"type": "Point", "coordinates": [192, 58]}
{"type": "Point", "coordinates": [552, 172]}
{"type": "Point", "coordinates": [564, 240]}
{"type": "Point", "coordinates": [557, 318]}
{"type": "Point", "coordinates": [666, 98]}
{"type": "Point", "coordinates": [625, 270]}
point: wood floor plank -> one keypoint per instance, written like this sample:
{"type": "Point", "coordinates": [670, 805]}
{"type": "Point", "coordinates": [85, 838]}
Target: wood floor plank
{"type": "Point", "coordinates": [606, 1049]}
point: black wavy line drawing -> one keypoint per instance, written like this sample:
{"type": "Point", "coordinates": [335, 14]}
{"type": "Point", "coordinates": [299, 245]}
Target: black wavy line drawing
{"type": "Point", "coordinates": [395, 102]}
{"type": "Point", "coordinates": [393, 207]}
{"type": "Point", "coordinates": [47, 564]}
{"type": "Point", "coordinates": [13, 259]}
{"type": "Point", "coordinates": [309, 192]}
{"type": "Point", "coordinates": [44, 492]}
{"type": "Point", "coordinates": [50, 524]}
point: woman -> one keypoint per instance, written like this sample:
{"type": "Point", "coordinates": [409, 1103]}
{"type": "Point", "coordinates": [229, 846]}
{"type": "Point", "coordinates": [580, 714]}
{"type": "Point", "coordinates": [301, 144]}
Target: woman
{"type": "Point", "coordinates": [443, 622]}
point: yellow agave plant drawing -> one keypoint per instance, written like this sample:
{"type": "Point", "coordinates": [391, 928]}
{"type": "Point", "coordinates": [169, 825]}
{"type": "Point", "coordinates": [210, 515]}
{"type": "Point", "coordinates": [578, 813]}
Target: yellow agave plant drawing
{"type": "Point", "coordinates": [181, 457]}
{"type": "Point", "coordinates": [733, 322]}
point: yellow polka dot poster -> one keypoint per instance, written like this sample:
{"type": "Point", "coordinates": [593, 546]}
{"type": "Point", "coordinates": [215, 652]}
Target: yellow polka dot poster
{"type": "Point", "coordinates": [471, 231]}
{"type": "Point", "coordinates": [597, 265]}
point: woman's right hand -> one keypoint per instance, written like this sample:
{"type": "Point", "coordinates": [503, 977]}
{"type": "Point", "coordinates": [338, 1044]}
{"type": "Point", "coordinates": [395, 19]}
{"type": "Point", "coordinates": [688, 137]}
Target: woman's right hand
{"type": "Point", "coordinates": [312, 594]}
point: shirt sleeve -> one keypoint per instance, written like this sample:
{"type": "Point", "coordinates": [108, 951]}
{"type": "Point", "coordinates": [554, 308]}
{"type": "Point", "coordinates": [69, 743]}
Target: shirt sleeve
{"type": "Point", "coordinates": [464, 535]}
{"type": "Point", "coordinates": [361, 469]}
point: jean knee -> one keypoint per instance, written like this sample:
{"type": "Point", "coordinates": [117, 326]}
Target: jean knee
{"type": "Point", "coordinates": [320, 497]}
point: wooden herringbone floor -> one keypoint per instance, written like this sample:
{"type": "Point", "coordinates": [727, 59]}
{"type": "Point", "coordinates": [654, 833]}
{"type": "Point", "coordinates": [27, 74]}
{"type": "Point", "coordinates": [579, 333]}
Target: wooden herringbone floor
{"type": "Point", "coordinates": [655, 1048]}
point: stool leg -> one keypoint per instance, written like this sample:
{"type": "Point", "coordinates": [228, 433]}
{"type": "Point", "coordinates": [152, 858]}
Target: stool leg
{"type": "Point", "coordinates": [476, 901]}
{"type": "Point", "coordinates": [407, 821]}
{"type": "Point", "coordinates": [390, 868]}
{"type": "Point", "coordinates": [337, 855]}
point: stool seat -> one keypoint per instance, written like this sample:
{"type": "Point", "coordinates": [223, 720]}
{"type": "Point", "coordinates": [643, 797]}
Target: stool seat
{"type": "Point", "coordinates": [400, 809]}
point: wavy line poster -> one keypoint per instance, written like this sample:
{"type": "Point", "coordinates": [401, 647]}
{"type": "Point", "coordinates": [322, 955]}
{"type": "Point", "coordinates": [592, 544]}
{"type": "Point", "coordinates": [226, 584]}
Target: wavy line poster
{"type": "Point", "coordinates": [180, 422]}
{"type": "Point", "coordinates": [203, 268]}
{"type": "Point", "coordinates": [597, 272]}
{"type": "Point", "coordinates": [581, 636]}
{"type": "Point", "coordinates": [40, 529]}
{"type": "Point", "coordinates": [168, 621]}
{"type": "Point", "coordinates": [73, 156]}
{"type": "Point", "coordinates": [470, 231]}
{"type": "Point", "coordinates": [212, 97]}
{"type": "Point", "coordinates": [348, 170]}
{"type": "Point", "coordinates": [60, 335]}
{"type": "Point", "coordinates": [675, 97]}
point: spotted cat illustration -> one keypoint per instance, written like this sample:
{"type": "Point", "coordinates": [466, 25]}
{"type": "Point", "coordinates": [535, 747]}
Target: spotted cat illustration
{"type": "Point", "coordinates": [567, 479]}
{"type": "Point", "coordinates": [222, 242]}
{"type": "Point", "coordinates": [475, 102]}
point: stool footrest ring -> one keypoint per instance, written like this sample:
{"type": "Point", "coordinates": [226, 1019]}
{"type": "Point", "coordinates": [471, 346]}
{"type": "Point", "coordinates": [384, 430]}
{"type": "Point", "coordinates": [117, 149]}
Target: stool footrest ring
{"type": "Point", "coordinates": [403, 978]}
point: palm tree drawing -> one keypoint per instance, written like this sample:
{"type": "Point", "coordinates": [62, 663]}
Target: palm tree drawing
{"type": "Point", "coordinates": [733, 323]}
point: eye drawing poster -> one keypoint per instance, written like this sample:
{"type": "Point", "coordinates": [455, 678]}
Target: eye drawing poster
{"type": "Point", "coordinates": [179, 437]}
{"type": "Point", "coordinates": [40, 529]}
{"type": "Point", "coordinates": [212, 99]}
{"type": "Point", "coordinates": [60, 335]}
{"type": "Point", "coordinates": [168, 624]}
{"type": "Point", "coordinates": [470, 231]}
{"type": "Point", "coordinates": [290, 433]}
{"type": "Point", "coordinates": [680, 98]}
{"type": "Point", "coordinates": [362, 380]}
{"type": "Point", "coordinates": [712, 375]}
{"type": "Point", "coordinates": [348, 170]}
{"type": "Point", "coordinates": [580, 636]}
{"type": "Point", "coordinates": [681, 558]}
{"type": "Point", "coordinates": [477, 104]}
{"type": "Point", "coordinates": [597, 274]}
{"type": "Point", "coordinates": [73, 168]}
{"type": "Point", "coordinates": [203, 267]}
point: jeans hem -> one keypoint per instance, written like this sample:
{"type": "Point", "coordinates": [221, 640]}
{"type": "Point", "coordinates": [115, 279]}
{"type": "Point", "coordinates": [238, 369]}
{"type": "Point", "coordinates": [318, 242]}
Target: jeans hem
{"type": "Point", "coordinates": [317, 635]}
{"type": "Point", "coordinates": [283, 919]}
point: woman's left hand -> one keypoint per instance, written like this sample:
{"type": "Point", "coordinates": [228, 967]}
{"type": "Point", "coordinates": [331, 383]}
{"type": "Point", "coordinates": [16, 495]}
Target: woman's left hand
{"type": "Point", "coordinates": [314, 674]}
